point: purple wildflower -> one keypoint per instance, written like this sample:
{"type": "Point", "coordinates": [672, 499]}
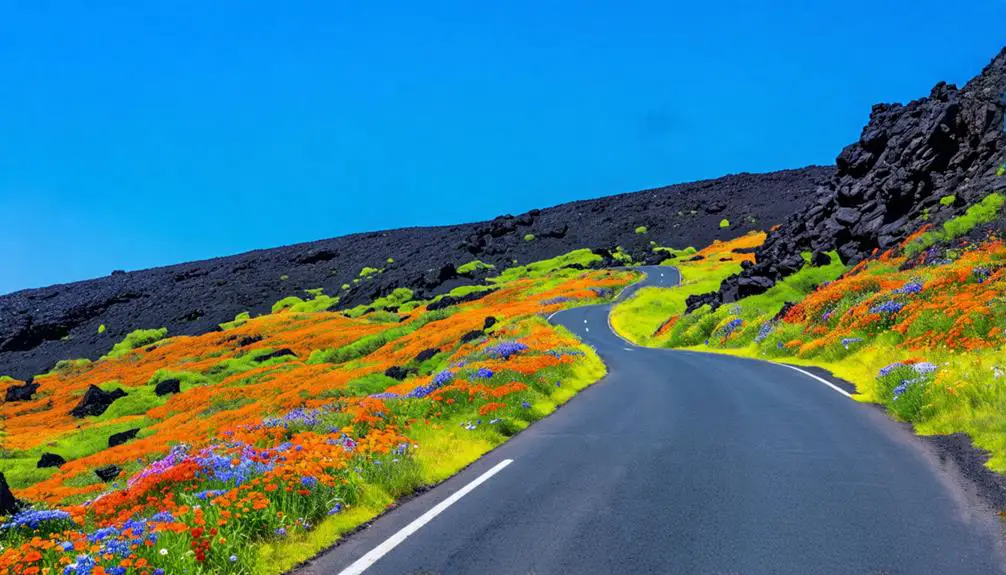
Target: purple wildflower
{"type": "Point", "coordinates": [505, 349]}
{"type": "Point", "coordinates": [890, 307]}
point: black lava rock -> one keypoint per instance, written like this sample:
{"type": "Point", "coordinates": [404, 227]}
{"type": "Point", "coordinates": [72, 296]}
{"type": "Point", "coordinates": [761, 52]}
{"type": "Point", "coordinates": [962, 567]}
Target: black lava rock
{"type": "Point", "coordinates": [449, 300]}
{"type": "Point", "coordinates": [248, 340]}
{"type": "Point", "coordinates": [489, 322]}
{"type": "Point", "coordinates": [50, 460]}
{"type": "Point", "coordinates": [274, 354]}
{"type": "Point", "coordinates": [168, 386]}
{"type": "Point", "coordinates": [9, 505]}
{"type": "Point", "coordinates": [22, 392]}
{"type": "Point", "coordinates": [123, 437]}
{"type": "Point", "coordinates": [427, 354]}
{"type": "Point", "coordinates": [472, 336]}
{"type": "Point", "coordinates": [96, 401]}
{"type": "Point", "coordinates": [820, 259]}
{"type": "Point", "coordinates": [908, 157]}
{"type": "Point", "coordinates": [396, 372]}
{"type": "Point", "coordinates": [108, 472]}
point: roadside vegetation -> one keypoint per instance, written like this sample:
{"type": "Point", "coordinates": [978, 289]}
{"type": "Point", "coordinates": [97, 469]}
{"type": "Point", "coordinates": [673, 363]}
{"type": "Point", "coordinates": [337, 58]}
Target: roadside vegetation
{"type": "Point", "coordinates": [250, 449]}
{"type": "Point", "coordinates": [920, 328]}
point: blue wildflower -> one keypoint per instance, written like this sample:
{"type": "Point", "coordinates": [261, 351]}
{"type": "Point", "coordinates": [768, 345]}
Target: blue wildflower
{"type": "Point", "coordinates": [308, 481]}
{"type": "Point", "coordinates": [33, 518]}
{"type": "Point", "coordinates": [890, 307]}
{"type": "Point", "coordinates": [764, 331]}
{"type": "Point", "coordinates": [336, 509]}
{"type": "Point", "coordinates": [505, 349]}
{"type": "Point", "coordinates": [847, 341]}
{"type": "Point", "coordinates": [909, 288]}
{"type": "Point", "coordinates": [280, 531]}
{"type": "Point", "coordinates": [484, 373]}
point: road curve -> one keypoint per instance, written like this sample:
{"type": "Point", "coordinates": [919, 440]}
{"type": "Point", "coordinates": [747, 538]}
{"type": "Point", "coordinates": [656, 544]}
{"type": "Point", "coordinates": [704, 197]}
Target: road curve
{"type": "Point", "coordinates": [681, 462]}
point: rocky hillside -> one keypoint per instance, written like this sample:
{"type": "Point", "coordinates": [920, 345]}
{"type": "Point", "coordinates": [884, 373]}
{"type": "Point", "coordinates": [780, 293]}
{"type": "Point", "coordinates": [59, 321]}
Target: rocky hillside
{"type": "Point", "coordinates": [923, 162]}
{"type": "Point", "coordinates": [42, 326]}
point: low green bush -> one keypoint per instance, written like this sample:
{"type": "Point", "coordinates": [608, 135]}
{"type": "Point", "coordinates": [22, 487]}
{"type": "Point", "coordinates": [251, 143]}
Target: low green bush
{"type": "Point", "coordinates": [528, 237]}
{"type": "Point", "coordinates": [474, 266]}
{"type": "Point", "coordinates": [101, 329]}
{"type": "Point", "coordinates": [135, 339]}
{"type": "Point", "coordinates": [724, 223]}
{"type": "Point", "coordinates": [983, 212]}
{"type": "Point", "coordinates": [641, 230]}
{"type": "Point", "coordinates": [239, 320]}
{"type": "Point", "coordinates": [948, 200]}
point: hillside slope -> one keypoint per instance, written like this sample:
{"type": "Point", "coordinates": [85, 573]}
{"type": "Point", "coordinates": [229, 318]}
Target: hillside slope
{"type": "Point", "coordinates": [39, 327]}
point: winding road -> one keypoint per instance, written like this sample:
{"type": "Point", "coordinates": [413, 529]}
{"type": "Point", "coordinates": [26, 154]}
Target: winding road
{"type": "Point", "coordinates": [681, 462]}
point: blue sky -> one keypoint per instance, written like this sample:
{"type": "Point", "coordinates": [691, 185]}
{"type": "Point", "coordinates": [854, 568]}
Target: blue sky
{"type": "Point", "coordinates": [134, 137]}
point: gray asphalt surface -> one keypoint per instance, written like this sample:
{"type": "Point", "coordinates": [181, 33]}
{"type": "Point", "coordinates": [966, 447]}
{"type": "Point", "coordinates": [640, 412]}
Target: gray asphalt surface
{"type": "Point", "coordinates": [682, 462]}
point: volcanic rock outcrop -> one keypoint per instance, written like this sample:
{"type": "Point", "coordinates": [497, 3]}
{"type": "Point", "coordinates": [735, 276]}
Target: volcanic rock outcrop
{"type": "Point", "coordinates": [891, 181]}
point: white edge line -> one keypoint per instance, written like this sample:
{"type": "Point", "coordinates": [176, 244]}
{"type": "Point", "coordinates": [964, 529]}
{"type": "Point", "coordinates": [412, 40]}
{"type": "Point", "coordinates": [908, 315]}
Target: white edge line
{"type": "Point", "coordinates": [363, 563]}
{"type": "Point", "coordinates": [811, 375]}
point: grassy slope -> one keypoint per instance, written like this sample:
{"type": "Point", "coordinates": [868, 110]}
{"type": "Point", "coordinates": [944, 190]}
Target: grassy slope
{"type": "Point", "coordinates": [320, 395]}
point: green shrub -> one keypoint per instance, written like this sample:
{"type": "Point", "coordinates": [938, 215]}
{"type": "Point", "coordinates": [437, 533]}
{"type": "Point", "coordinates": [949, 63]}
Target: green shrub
{"type": "Point", "coordinates": [390, 260]}
{"type": "Point", "coordinates": [101, 329]}
{"type": "Point", "coordinates": [239, 320]}
{"type": "Point", "coordinates": [473, 266]}
{"type": "Point", "coordinates": [286, 303]}
{"type": "Point", "coordinates": [284, 277]}
{"type": "Point", "coordinates": [724, 223]}
{"type": "Point", "coordinates": [345, 286]}
{"type": "Point", "coordinates": [135, 339]}
{"type": "Point", "coordinates": [528, 237]}
{"type": "Point", "coordinates": [641, 230]}
{"type": "Point", "coordinates": [1001, 170]}
{"type": "Point", "coordinates": [366, 272]}
{"type": "Point", "coordinates": [948, 200]}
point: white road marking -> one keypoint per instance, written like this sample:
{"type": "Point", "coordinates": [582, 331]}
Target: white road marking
{"type": "Point", "coordinates": [584, 321]}
{"type": "Point", "coordinates": [586, 329]}
{"type": "Point", "coordinates": [627, 348]}
{"type": "Point", "coordinates": [821, 379]}
{"type": "Point", "coordinates": [363, 563]}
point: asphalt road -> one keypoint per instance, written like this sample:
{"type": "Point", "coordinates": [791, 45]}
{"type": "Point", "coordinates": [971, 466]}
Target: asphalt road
{"type": "Point", "coordinates": [682, 462]}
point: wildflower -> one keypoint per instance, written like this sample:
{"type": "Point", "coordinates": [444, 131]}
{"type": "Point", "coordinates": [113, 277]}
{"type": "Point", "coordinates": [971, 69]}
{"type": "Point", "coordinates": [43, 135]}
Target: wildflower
{"type": "Point", "coordinates": [233, 558]}
{"type": "Point", "coordinates": [385, 395]}
{"type": "Point", "coordinates": [280, 531]}
{"type": "Point", "coordinates": [884, 372]}
{"type": "Point", "coordinates": [308, 481]}
{"type": "Point", "coordinates": [924, 368]}
{"type": "Point", "coordinates": [764, 331]}
{"type": "Point", "coordinates": [909, 288]}
{"type": "Point", "coordinates": [163, 551]}
{"type": "Point", "coordinates": [525, 405]}
{"type": "Point", "coordinates": [32, 518]}
{"type": "Point", "coordinates": [847, 341]}
{"type": "Point", "coordinates": [484, 373]}
{"type": "Point", "coordinates": [336, 509]}
{"type": "Point", "coordinates": [506, 349]}
{"type": "Point", "coordinates": [732, 326]}
{"type": "Point", "coordinates": [556, 300]}
{"type": "Point", "coordinates": [890, 307]}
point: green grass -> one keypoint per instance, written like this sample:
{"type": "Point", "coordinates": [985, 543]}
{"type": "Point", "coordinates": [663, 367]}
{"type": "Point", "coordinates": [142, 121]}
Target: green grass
{"type": "Point", "coordinates": [366, 272]}
{"type": "Point", "coordinates": [474, 266]}
{"type": "Point", "coordinates": [101, 329]}
{"type": "Point", "coordinates": [239, 320]}
{"type": "Point", "coordinates": [396, 298]}
{"type": "Point", "coordinates": [136, 339]}
{"type": "Point", "coordinates": [371, 343]}
{"type": "Point", "coordinates": [641, 230]}
{"type": "Point", "coordinates": [528, 237]}
{"type": "Point", "coordinates": [948, 200]}
{"type": "Point", "coordinates": [724, 223]}
{"type": "Point", "coordinates": [983, 212]}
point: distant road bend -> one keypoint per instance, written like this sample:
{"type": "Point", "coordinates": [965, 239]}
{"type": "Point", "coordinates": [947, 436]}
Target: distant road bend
{"type": "Point", "coordinates": [682, 462]}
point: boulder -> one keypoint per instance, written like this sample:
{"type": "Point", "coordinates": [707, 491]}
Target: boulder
{"type": "Point", "coordinates": [472, 336]}
{"type": "Point", "coordinates": [108, 472]}
{"type": "Point", "coordinates": [396, 372]}
{"type": "Point", "coordinates": [489, 322]}
{"type": "Point", "coordinates": [22, 392]}
{"type": "Point", "coordinates": [427, 354]}
{"type": "Point", "coordinates": [95, 402]}
{"type": "Point", "coordinates": [122, 437]}
{"type": "Point", "coordinates": [284, 352]}
{"type": "Point", "coordinates": [168, 386]}
{"type": "Point", "coordinates": [820, 259]}
{"type": "Point", "coordinates": [249, 339]}
{"type": "Point", "coordinates": [49, 460]}
{"type": "Point", "coordinates": [9, 505]}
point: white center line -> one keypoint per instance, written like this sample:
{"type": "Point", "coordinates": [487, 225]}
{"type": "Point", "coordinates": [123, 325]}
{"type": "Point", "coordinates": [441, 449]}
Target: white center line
{"type": "Point", "coordinates": [363, 563]}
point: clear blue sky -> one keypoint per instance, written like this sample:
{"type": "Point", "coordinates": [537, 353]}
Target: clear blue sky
{"type": "Point", "coordinates": [135, 137]}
